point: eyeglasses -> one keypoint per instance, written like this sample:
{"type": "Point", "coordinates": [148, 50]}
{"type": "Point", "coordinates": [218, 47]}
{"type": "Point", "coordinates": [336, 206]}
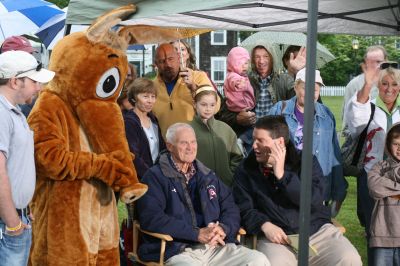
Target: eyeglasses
{"type": "Point", "coordinates": [37, 68]}
{"type": "Point", "coordinates": [385, 65]}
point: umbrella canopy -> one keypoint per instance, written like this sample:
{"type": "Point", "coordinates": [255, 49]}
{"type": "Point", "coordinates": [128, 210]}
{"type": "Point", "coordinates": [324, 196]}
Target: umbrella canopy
{"type": "Point", "coordinates": [19, 17]}
{"type": "Point", "coordinates": [278, 42]}
{"type": "Point", "coordinates": [52, 29]}
{"type": "Point", "coordinates": [136, 47]}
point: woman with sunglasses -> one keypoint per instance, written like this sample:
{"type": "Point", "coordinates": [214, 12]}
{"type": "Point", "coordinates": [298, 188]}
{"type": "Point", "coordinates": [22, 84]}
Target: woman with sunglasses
{"type": "Point", "coordinates": [385, 114]}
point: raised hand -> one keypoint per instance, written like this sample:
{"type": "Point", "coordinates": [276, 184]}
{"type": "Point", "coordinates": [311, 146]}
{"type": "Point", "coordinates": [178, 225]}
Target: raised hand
{"type": "Point", "coordinates": [371, 72]}
{"type": "Point", "coordinates": [298, 62]}
{"type": "Point", "coordinates": [371, 76]}
{"type": "Point", "coordinates": [187, 77]}
{"type": "Point", "coordinates": [278, 153]}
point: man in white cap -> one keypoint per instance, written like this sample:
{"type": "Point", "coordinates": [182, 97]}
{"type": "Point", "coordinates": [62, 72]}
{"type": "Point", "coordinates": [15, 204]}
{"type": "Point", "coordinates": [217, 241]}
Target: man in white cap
{"type": "Point", "coordinates": [20, 43]}
{"type": "Point", "coordinates": [20, 78]}
{"type": "Point", "coordinates": [325, 142]}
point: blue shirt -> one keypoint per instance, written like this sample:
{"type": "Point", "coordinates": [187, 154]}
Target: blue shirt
{"type": "Point", "coordinates": [170, 86]}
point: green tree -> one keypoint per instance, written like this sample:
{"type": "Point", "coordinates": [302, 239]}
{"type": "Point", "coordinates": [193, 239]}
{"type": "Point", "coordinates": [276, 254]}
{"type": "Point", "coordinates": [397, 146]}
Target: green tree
{"type": "Point", "coordinates": [60, 3]}
{"type": "Point", "coordinates": [347, 62]}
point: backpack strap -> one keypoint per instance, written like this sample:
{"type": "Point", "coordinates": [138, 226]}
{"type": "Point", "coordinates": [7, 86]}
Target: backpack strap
{"type": "Point", "coordinates": [362, 138]}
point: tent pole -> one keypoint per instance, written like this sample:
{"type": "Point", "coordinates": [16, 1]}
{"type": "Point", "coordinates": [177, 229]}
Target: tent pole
{"type": "Point", "coordinates": [306, 159]}
{"type": "Point", "coordinates": [143, 65]}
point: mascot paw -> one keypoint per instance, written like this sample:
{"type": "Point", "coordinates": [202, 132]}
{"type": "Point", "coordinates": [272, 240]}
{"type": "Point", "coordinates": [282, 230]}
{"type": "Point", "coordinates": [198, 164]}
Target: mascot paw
{"type": "Point", "coordinates": [133, 192]}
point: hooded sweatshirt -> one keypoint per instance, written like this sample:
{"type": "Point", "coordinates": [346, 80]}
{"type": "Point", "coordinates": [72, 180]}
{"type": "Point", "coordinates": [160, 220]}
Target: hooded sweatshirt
{"type": "Point", "coordinates": [384, 188]}
{"type": "Point", "coordinates": [237, 88]}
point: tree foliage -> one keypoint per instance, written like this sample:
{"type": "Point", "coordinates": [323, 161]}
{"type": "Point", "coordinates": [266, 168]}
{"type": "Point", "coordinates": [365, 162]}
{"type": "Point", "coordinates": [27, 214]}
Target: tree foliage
{"type": "Point", "coordinates": [347, 63]}
{"type": "Point", "coordinates": [59, 3]}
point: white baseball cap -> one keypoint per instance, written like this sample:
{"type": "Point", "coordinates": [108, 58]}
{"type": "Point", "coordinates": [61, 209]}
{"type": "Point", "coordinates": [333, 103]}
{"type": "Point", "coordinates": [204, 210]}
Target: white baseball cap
{"type": "Point", "coordinates": [22, 64]}
{"type": "Point", "coordinates": [302, 76]}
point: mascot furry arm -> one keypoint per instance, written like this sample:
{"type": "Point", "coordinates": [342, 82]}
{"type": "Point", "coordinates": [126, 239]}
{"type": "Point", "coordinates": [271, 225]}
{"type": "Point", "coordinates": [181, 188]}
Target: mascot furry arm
{"type": "Point", "coordinates": [81, 150]}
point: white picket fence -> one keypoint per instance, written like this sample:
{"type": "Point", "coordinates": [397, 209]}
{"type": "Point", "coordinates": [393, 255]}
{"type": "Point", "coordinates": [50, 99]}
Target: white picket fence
{"type": "Point", "coordinates": [325, 91]}
{"type": "Point", "coordinates": [332, 91]}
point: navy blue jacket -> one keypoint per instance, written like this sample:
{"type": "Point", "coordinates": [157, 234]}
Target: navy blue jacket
{"type": "Point", "coordinates": [138, 142]}
{"type": "Point", "coordinates": [167, 208]}
{"type": "Point", "coordinates": [265, 199]}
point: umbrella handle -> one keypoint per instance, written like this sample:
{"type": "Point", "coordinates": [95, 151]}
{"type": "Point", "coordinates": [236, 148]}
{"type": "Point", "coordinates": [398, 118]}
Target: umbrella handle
{"type": "Point", "coordinates": [183, 67]}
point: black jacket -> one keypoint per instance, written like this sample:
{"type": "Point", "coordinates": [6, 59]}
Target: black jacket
{"type": "Point", "coordinates": [138, 142]}
{"type": "Point", "coordinates": [263, 198]}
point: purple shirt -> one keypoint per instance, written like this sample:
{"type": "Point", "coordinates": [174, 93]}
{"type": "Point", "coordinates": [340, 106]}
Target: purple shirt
{"type": "Point", "coordinates": [298, 135]}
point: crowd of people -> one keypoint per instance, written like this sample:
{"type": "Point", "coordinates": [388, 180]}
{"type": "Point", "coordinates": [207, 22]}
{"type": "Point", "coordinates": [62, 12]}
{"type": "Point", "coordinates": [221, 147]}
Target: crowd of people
{"type": "Point", "coordinates": [213, 164]}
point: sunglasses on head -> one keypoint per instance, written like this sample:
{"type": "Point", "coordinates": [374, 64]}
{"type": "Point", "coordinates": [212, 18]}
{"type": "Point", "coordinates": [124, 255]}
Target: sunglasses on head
{"type": "Point", "coordinates": [385, 65]}
{"type": "Point", "coordinates": [37, 68]}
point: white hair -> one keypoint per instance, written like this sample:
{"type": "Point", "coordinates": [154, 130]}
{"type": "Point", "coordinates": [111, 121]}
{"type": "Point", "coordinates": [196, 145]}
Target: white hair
{"type": "Point", "coordinates": [170, 136]}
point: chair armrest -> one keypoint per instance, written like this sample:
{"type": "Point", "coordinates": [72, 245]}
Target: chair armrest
{"type": "Point", "coordinates": [242, 232]}
{"type": "Point", "coordinates": [338, 225]}
{"type": "Point", "coordinates": [157, 235]}
{"type": "Point", "coordinates": [163, 238]}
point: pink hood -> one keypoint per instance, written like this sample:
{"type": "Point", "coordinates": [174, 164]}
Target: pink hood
{"type": "Point", "coordinates": [236, 58]}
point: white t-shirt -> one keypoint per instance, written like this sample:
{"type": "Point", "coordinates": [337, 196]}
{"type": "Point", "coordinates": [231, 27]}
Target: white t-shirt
{"type": "Point", "coordinates": [152, 137]}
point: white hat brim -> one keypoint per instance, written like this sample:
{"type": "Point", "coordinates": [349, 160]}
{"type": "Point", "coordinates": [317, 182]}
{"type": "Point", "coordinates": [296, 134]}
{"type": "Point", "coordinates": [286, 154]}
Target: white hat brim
{"type": "Point", "coordinates": [42, 76]}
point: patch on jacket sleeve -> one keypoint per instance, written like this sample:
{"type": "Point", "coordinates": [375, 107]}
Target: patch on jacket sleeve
{"type": "Point", "coordinates": [211, 192]}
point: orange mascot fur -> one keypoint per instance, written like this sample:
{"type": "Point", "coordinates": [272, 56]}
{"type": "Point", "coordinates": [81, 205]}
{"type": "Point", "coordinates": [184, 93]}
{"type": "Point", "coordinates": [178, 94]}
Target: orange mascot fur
{"type": "Point", "coordinates": [81, 150]}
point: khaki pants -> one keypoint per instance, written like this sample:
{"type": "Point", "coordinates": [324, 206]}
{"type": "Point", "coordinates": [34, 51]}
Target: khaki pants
{"type": "Point", "coordinates": [333, 249]}
{"type": "Point", "coordinates": [230, 254]}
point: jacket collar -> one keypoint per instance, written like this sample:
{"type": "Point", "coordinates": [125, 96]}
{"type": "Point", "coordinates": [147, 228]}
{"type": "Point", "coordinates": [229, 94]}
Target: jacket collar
{"type": "Point", "coordinates": [169, 171]}
{"type": "Point", "coordinates": [291, 104]}
{"type": "Point", "coordinates": [9, 106]}
{"type": "Point", "coordinates": [133, 115]}
{"type": "Point", "coordinates": [210, 122]}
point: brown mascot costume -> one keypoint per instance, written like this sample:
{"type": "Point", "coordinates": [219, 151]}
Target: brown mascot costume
{"type": "Point", "coordinates": [81, 150]}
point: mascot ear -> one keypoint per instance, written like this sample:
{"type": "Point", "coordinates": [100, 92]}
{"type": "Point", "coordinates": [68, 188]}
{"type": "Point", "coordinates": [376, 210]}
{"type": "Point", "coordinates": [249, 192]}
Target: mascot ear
{"type": "Point", "coordinates": [142, 34]}
{"type": "Point", "coordinates": [100, 30]}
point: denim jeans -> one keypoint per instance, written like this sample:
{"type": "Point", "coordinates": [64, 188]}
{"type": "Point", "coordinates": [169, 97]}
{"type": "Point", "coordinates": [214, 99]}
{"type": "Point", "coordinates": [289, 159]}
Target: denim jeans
{"type": "Point", "coordinates": [14, 250]}
{"type": "Point", "coordinates": [247, 138]}
{"type": "Point", "coordinates": [386, 257]}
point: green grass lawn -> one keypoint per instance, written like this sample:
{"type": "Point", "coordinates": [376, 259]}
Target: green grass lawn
{"type": "Point", "coordinates": [347, 216]}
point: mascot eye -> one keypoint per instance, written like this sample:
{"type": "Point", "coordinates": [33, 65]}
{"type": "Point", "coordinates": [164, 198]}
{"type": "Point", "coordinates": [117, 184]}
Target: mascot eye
{"type": "Point", "coordinates": [108, 83]}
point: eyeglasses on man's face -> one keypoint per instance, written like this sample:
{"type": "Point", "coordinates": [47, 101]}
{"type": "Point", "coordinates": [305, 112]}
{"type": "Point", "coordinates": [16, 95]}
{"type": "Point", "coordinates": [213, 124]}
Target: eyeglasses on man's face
{"type": "Point", "coordinates": [37, 68]}
{"type": "Point", "coordinates": [385, 65]}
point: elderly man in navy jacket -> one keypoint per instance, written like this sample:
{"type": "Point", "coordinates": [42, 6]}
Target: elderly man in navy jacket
{"type": "Point", "coordinates": [187, 201]}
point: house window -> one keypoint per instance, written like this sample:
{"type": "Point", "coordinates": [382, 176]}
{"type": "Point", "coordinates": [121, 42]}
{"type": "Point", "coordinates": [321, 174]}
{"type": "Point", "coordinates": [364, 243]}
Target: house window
{"type": "Point", "coordinates": [218, 69]}
{"type": "Point", "coordinates": [218, 37]}
{"type": "Point", "coordinates": [397, 44]}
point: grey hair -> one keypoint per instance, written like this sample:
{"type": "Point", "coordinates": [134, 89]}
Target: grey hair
{"type": "Point", "coordinates": [374, 48]}
{"type": "Point", "coordinates": [170, 136]}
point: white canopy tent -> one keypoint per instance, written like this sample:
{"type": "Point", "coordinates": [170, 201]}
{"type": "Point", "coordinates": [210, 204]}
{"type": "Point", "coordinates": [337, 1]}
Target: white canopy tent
{"type": "Point", "coordinates": [362, 17]}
